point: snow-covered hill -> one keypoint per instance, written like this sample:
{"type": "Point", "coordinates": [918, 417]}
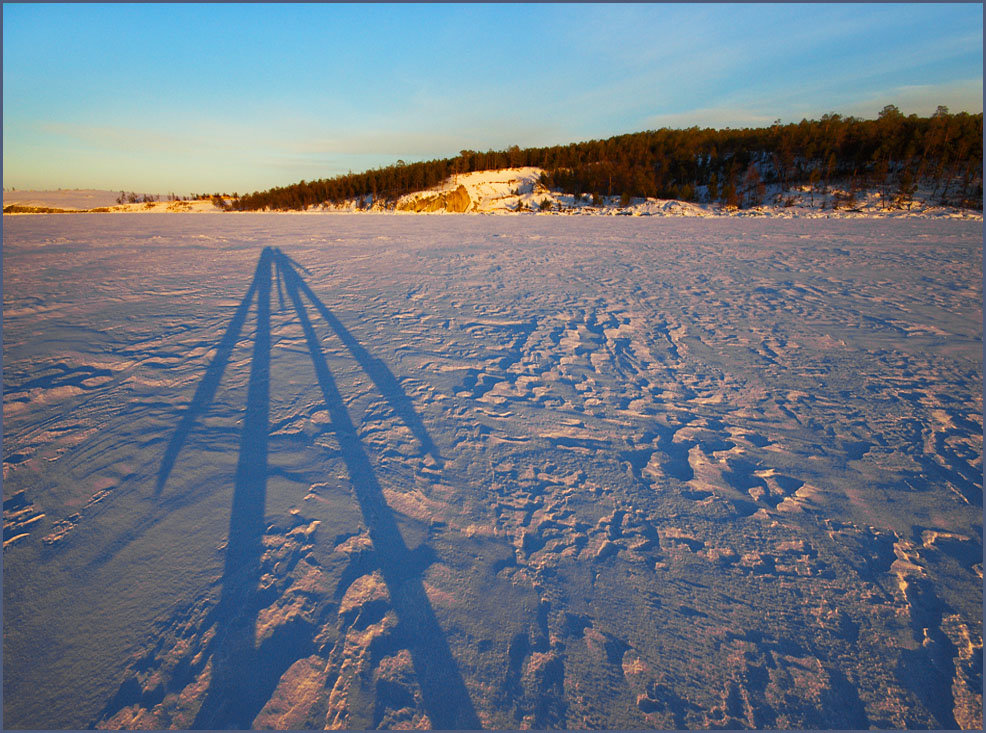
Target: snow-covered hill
{"type": "Point", "coordinates": [93, 200]}
{"type": "Point", "coordinates": [519, 190]}
{"type": "Point", "coordinates": [487, 191]}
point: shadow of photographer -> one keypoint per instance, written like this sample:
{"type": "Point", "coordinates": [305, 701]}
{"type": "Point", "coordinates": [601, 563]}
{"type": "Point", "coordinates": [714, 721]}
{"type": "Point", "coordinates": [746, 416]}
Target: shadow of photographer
{"type": "Point", "coordinates": [244, 675]}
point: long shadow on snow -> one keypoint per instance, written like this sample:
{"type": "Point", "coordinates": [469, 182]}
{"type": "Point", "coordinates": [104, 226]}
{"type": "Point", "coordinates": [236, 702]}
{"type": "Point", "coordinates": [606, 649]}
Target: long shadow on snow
{"type": "Point", "coordinates": [444, 694]}
{"type": "Point", "coordinates": [245, 675]}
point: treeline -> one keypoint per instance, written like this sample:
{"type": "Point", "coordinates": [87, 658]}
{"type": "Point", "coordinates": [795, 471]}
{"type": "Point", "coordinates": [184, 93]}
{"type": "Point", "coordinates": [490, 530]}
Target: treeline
{"type": "Point", "coordinates": [893, 153]}
{"type": "Point", "coordinates": [146, 198]}
{"type": "Point", "coordinates": [136, 198]}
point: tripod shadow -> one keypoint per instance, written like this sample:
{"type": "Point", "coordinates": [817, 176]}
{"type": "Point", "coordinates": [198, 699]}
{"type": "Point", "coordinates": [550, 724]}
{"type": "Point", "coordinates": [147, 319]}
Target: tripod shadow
{"type": "Point", "coordinates": [378, 372]}
{"type": "Point", "coordinates": [245, 675]}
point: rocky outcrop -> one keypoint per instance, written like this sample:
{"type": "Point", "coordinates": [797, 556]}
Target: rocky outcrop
{"type": "Point", "coordinates": [456, 202]}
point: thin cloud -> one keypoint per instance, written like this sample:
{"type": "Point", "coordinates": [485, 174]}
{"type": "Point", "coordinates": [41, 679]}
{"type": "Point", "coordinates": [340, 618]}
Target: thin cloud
{"type": "Point", "coordinates": [124, 138]}
{"type": "Point", "coordinates": [423, 144]}
{"type": "Point", "coordinates": [712, 117]}
{"type": "Point", "coordinates": [376, 143]}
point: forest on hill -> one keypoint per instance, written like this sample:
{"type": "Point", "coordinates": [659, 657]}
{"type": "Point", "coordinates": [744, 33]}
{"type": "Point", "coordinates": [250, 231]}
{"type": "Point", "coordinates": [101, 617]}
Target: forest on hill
{"type": "Point", "coordinates": [893, 154]}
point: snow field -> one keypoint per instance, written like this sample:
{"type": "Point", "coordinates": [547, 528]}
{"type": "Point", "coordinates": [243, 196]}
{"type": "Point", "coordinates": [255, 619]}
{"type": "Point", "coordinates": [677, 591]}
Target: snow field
{"type": "Point", "coordinates": [629, 472]}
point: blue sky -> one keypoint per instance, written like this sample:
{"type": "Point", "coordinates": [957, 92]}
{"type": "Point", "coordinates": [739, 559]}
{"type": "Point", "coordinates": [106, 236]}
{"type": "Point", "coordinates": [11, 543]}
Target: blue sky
{"type": "Point", "coordinates": [195, 97]}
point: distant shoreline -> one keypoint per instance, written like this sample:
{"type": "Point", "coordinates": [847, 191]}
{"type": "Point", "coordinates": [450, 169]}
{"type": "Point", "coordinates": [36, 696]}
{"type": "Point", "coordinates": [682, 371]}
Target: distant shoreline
{"type": "Point", "coordinates": [517, 192]}
{"type": "Point", "coordinates": [772, 212]}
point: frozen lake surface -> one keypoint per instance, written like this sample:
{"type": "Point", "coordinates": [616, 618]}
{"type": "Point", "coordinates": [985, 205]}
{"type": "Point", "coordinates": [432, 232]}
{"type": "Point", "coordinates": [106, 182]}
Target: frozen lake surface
{"type": "Point", "coordinates": [372, 471]}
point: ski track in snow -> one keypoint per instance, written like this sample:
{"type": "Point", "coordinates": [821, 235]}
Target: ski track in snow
{"type": "Point", "coordinates": [573, 472]}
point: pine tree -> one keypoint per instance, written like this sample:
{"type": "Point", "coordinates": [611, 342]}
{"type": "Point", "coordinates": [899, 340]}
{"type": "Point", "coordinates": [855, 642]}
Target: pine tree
{"type": "Point", "coordinates": [753, 186]}
{"type": "Point", "coordinates": [713, 191]}
{"type": "Point", "coordinates": [905, 188]}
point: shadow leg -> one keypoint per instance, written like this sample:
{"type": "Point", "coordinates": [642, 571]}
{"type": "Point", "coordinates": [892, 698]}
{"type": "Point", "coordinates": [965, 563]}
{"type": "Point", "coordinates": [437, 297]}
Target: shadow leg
{"type": "Point", "coordinates": [233, 699]}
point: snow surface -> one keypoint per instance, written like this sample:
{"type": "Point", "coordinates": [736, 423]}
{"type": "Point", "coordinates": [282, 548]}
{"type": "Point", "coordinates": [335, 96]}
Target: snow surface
{"type": "Point", "coordinates": [511, 471]}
